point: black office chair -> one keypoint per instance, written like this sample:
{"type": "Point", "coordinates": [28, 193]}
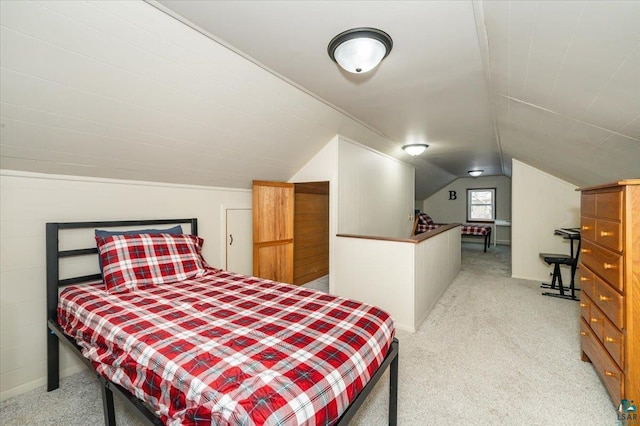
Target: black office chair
{"type": "Point", "coordinates": [556, 260]}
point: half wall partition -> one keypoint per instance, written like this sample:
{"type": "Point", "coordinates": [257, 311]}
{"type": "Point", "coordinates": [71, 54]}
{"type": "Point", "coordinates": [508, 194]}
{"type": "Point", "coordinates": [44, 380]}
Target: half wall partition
{"type": "Point", "coordinates": [405, 277]}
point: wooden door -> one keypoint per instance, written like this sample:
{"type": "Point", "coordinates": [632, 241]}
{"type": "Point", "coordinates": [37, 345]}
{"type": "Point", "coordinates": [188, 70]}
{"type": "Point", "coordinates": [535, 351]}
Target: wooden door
{"type": "Point", "coordinates": [239, 241]}
{"type": "Point", "coordinates": [273, 230]}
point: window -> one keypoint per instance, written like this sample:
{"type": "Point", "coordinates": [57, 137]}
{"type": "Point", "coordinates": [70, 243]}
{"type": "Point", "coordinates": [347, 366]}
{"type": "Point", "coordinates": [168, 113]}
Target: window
{"type": "Point", "coordinates": [481, 205]}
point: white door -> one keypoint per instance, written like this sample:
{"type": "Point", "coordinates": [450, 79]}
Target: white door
{"type": "Point", "coordinates": [240, 241]}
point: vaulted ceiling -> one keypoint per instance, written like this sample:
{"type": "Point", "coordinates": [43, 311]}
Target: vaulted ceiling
{"type": "Point", "coordinates": [223, 92]}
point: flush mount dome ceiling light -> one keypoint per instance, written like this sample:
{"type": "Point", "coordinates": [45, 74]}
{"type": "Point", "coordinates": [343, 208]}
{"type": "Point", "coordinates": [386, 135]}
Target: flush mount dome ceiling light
{"type": "Point", "coordinates": [415, 148]}
{"type": "Point", "coordinates": [360, 49]}
{"type": "Point", "coordinates": [475, 173]}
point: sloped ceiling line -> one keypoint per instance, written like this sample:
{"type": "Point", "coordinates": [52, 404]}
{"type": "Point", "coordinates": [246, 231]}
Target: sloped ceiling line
{"type": "Point", "coordinates": [577, 120]}
{"type": "Point", "coordinates": [562, 62]}
{"type": "Point", "coordinates": [485, 55]}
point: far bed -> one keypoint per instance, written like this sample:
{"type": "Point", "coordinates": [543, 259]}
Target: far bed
{"type": "Point", "coordinates": [91, 295]}
{"type": "Point", "coordinates": [424, 223]}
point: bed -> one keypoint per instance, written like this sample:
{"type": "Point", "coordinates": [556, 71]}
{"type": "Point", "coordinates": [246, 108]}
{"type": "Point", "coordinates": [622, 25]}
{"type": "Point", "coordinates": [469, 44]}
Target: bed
{"type": "Point", "coordinates": [424, 223]}
{"type": "Point", "coordinates": [213, 347]}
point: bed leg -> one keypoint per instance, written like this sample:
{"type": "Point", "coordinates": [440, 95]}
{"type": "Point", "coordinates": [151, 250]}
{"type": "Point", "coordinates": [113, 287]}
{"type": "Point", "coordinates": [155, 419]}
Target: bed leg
{"type": "Point", "coordinates": [107, 406]}
{"type": "Point", "coordinates": [393, 391]}
{"type": "Point", "coordinates": [53, 361]}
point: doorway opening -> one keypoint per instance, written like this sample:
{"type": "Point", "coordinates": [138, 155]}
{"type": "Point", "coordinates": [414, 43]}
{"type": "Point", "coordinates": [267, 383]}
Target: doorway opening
{"type": "Point", "coordinates": [311, 232]}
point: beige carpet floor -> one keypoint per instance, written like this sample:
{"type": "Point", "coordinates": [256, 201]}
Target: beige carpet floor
{"type": "Point", "coordinates": [492, 352]}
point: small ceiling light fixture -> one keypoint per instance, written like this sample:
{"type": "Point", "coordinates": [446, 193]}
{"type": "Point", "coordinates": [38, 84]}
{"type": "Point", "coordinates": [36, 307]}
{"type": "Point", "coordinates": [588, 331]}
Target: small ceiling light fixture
{"type": "Point", "coordinates": [475, 173]}
{"type": "Point", "coordinates": [359, 50]}
{"type": "Point", "coordinates": [415, 148]}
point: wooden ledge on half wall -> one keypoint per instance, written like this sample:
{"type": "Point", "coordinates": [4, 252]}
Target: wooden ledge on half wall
{"type": "Point", "coordinates": [414, 240]}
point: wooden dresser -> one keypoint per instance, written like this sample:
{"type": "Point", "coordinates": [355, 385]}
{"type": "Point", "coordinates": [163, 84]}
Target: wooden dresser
{"type": "Point", "coordinates": [610, 281]}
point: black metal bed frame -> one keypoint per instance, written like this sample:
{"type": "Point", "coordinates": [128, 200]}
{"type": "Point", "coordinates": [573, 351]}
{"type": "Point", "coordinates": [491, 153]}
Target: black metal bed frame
{"type": "Point", "coordinates": [55, 334]}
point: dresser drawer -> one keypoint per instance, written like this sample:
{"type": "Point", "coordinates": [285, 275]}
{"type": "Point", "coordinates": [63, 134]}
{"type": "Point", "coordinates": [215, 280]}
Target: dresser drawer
{"type": "Point", "coordinates": [588, 204]}
{"type": "Point", "coordinates": [603, 262]}
{"type": "Point", "coordinates": [585, 280]}
{"type": "Point", "coordinates": [596, 320]}
{"type": "Point", "coordinates": [585, 307]}
{"type": "Point", "coordinates": [609, 234]}
{"type": "Point", "coordinates": [614, 343]}
{"type": "Point", "coordinates": [609, 301]}
{"type": "Point", "coordinates": [602, 362]}
{"type": "Point", "coordinates": [609, 205]}
{"type": "Point", "coordinates": [588, 228]}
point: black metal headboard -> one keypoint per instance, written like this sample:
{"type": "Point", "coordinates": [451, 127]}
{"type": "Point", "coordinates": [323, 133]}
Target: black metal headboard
{"type": "Point", "coordinates": [54, 254]}
{"type": "Point", "coordinates": [55, 332]}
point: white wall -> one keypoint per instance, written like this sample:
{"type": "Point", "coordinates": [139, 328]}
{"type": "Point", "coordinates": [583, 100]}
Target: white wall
{"type": "Point", "coordinates": [444, 210]}
{"type": "Point", "coordinates": [437, 264]}
{"type": "Point", "coordinates": [30, 200]}
{"type": "Point", "coordinates": [380, 273]}
{"type": "Point", "coordinates": [360, 182]}
{"type": "Point", "coordinates": [321, 168]}
{"type": "Point", "coordinates": [375, 194]}
{"type": "Point", "coordinates": [405, 279]}
{"type": "Point", "coordinates": [541, 203]}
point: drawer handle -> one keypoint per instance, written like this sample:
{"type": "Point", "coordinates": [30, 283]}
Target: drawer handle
{"type": "Point", "coordinates": [583, 333]}
{"type": "Point", "coordinates": [583, 279]}
{"type": "Point", "coordinates": [585, 227]}
{"type": "Point", "coordinates": [609, 339]}
{"type": "Point", "coordinates": [609, 373]}
{"type": "Point", "coordinates": [585, 251]}
{"type": "Point", "coordinates": [594, 319]}
{"type": "Point", "coordinates": [608, 265]}
{"type": "Point", "coordinates": [605, 234]}
{"type": "Point", "coordinates": [583, 305]}
{"type": "Point", "coordinates": [604, 298]}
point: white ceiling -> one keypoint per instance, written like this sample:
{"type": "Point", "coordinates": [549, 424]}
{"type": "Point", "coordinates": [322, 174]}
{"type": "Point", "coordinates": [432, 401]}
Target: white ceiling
{"type": "Point", "coordinates": [555, 84]}
{"type": "Point", "coordinates": [123, 90]}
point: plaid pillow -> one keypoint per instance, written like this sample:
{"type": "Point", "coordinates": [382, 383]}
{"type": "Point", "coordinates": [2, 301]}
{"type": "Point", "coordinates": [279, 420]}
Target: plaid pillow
{"type": "Point", "coordinates": [425, 219]}
{"type": "Point", "coordinates": [103, 233]}
{"type": "Point", "coordinates": [134, 261]}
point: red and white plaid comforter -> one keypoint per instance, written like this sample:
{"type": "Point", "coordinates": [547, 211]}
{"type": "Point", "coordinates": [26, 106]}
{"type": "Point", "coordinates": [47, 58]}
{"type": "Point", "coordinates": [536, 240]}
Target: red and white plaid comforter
{"type": "Point", "coordinates": [230, 349]}
{"type": "Point", "coordinates": [465, 229]}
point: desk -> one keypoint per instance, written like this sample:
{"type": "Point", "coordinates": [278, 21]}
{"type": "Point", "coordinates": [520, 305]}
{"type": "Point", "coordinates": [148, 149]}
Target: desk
{"type": "Point", "coordinates": [496, 223]}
